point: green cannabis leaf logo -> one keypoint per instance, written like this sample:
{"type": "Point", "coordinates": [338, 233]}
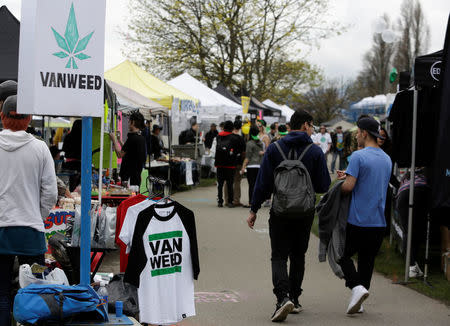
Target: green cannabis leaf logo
{"type": "Point", "coordinates": [71, 44]}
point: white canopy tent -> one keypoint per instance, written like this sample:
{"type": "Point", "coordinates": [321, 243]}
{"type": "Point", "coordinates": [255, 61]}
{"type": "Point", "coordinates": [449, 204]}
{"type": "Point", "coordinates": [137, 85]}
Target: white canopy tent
{"type": "Point", "coordinates": [286, 111]}
{"type": "Point", "coordinates": [131, 100]}
{"type": "Point", "coordinates": [212, 104]}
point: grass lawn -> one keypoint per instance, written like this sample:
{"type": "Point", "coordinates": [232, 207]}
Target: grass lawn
{"type": "Point", "coordinates": [391, 264]}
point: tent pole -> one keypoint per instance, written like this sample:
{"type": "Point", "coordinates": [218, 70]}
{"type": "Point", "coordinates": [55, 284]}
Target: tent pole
{"type": "Point", "coordinates": [411, 185]}
{"type": "Point", "coordinates": [86, 188]}
{"type": "Point", "coordinates": [100, 162]}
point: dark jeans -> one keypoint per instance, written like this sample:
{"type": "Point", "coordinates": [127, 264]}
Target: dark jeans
{"type": "Point", "coordinates": [6, 277]}
{"type": "Point", "coordinates": [337, 154]}
{"type": "Point", "coordinates": [289, 238]}
{"type": "Point", "coordinates": [252, 174]}
{"type": "Point", "coordinates": [75, 179]}
{"type": "Point", "coordinates": [222, 176]}
{"type": "Point", "coordinates": [365, 242]}
{"type": "Point", "coordinates": [419, 220]}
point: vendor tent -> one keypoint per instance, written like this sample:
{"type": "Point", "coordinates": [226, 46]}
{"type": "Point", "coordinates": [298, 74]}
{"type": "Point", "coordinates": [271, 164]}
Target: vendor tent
{"type": "Point", "coordinates": [131, 100]}
{"type": "Point", "coordinates": [253, 109]}
{"type": "Point", "coordinates": [273, 109]}
{"type": "Point", "coordinates": [211, 102]}
{"type": "Point", "coordinates": [441, 168]}
{"type": "Point", "coordinates": [336, 122]}
{"type": "Point", "coordinates": [287, 112]}
{"type": "Point", "coordinates": [9, 45]}
{"type": "Point", "coordinates": [131, 76]}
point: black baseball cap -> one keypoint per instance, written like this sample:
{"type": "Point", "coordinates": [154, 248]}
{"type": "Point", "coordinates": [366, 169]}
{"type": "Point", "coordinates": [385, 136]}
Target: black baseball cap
{"type": "Point", "coordinates": [155, 127]}
{"type": "Point", "coordinates": [370, 125]}
{"type": "Point", "coordinates": [9, 108]}
{"type": "Point", "coordinates": [7, 89]}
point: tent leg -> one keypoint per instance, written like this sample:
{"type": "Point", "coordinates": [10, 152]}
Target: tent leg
{"type": "Point", "coordinates": [86, 183]}
{"type": "Point", "coordinates": [427, 251]}
{"type": "Point", "coordinates": [411, 186]}
{"type": "Point", "coordinates": [100, 160]}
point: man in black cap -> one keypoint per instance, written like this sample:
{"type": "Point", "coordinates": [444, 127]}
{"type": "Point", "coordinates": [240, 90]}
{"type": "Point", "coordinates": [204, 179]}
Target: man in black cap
{"type": "Point", "coordinates": [367, 179]}
{"type": "Point", "coordinates": [156, 144]}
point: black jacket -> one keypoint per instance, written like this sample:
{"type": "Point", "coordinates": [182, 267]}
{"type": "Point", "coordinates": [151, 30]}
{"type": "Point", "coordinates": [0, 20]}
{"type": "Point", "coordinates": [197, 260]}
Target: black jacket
{"type": "Point", "coordinates": [187, 136]}
{"type": "Point", "coordinates": [209, 138]}
{"type": "Point", "coordinates": [314, 161]}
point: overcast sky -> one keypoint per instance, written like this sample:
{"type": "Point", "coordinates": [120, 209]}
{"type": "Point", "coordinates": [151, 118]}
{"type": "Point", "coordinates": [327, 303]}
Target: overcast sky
{"type": "Point", "coordinates": [338, 57]}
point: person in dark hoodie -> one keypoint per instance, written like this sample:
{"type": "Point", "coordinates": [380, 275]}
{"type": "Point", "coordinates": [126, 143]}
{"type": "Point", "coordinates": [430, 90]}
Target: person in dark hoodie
{"type": "Point", "coordinates": [72, 153]}
{"type": "Point", "coordinates": [225, 162]}
{"type": "Point", "coordinates": [289, 237]}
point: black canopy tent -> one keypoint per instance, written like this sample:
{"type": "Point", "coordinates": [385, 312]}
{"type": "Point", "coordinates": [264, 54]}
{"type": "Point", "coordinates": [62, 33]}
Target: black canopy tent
{"type": "Point", "coordinates": [222, 90]}
{"type": "Point", "coordinates": [441, 168]}
{"type": "Point", "coordinates": [9, 45]}
{"type": "Point", "coordinates": [427, 75]}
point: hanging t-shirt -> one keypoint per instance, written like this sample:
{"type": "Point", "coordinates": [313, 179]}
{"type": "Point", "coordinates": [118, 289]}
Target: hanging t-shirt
{"type": "Point", "coordinates": [129, 223]}
{"type": "Point", "coordinates": [163, 263]}
{"type": "Point", "coordinates": [323, 140]}
{"type": "Point", "coordinates": [121, 213]}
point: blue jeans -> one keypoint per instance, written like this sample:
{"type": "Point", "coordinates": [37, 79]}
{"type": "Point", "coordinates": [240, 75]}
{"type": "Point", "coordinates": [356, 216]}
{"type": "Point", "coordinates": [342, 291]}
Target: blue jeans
{"type": "Point", "coordinates": [6, 277]}
{"type": "Point", "coordinates": [341, 160]}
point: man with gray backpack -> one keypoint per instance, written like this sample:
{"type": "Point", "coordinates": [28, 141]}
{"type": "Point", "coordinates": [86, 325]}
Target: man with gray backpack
{"type": "Point", "coordinates": [293, 170]}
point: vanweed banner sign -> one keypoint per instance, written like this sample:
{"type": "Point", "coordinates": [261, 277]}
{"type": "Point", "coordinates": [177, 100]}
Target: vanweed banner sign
{"type": "Point", "coordinates": [61, 57]}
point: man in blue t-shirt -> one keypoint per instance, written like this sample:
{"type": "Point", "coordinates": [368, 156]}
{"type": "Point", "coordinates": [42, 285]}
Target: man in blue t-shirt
{"type": "Point", "coordinates": [367, 179]}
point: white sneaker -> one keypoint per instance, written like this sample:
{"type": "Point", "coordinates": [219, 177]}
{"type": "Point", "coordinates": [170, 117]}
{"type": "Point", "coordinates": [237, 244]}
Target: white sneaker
{"type": "Point", "coordinates": [414, 271]}
{"type": "Point", "coordinates": [359, 294]}
{"type": "Point", "coordinates": [267, 203]}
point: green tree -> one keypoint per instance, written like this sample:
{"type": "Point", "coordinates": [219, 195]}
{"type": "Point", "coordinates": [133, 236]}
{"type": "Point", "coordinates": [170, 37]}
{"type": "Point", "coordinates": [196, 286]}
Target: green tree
{"type": "Point", "coordinates": [415, 35]}
{"type": "Point", "coordinates": [373, 79]}
{"type": "Point", "coordinates": [325, 101]}
{"type": "Point", "coordinates": [239, 43]}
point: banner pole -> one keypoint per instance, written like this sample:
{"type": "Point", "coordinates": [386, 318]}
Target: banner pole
{"type": "Point", "coordinates": [86, 188]}
{"type": "Point", "coordinates": [411, 185]}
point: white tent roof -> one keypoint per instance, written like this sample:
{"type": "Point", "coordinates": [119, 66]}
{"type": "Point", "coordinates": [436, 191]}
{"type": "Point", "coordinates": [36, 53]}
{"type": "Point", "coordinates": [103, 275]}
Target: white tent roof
{"type": "Point", "coordinates": [208, 98]}
{"type": "Point", "coordinates": [132, 100]}
{"type": "Point", "coordinates": [285, 110]}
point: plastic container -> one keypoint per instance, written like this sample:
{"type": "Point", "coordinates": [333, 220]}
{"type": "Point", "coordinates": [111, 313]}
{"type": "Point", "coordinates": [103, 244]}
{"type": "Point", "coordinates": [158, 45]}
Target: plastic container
{"type": "Point", "coordinates": [103, 294]}
{"type": "Point", "coordinates": [119, 308]}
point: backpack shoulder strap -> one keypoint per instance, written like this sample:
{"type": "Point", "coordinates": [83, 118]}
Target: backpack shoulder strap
{"type": "Point", "coordinates": [304, 151]}
{"type": "Point", "coordinates": [280, 150]}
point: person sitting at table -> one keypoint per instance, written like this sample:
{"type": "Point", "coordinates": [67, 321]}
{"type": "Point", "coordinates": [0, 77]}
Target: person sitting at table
{"type": "Point", "coordinates": [156, 143]}
{"type": "Point", "coordinates": [133, 151]}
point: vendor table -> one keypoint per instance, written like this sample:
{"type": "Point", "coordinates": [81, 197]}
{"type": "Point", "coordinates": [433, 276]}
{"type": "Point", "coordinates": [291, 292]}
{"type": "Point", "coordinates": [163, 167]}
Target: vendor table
{"type": "Point", "coordinates": [113, 320]}
{"type": "Point", "coordinates": [111, 200]}
{"type": "Point", "coordinates": [177, 172]}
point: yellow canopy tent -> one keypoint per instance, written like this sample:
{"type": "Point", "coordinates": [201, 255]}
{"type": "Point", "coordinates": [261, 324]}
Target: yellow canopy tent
{"type": "Point", "coordinates": [130, 75]}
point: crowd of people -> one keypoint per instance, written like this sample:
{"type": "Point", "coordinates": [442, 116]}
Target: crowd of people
{"type": "Point", "coordinates": [285, 167]}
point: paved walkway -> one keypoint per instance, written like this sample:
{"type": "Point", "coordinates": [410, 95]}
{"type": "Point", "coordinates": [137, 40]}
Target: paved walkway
{"type": "Point", "coordinates": [235, 288]}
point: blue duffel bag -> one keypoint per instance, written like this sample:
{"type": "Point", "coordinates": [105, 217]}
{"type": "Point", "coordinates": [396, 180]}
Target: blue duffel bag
{"type": "Point", "coordinates": [40, 302]}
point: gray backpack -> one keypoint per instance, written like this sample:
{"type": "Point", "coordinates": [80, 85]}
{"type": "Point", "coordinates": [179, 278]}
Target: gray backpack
{"type": "Point", "coordinates": [294, 195]}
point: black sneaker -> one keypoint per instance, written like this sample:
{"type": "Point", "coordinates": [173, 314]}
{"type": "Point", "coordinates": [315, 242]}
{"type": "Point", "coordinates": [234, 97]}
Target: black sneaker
{"type": "Point", "coordinates": [219, 205]}
{"type": "Point", "coordinates": [282, 310]}
{"type": "Point", "coordinates": [230, 205]}
{"type": "Point", "coordinates": [297, 307]}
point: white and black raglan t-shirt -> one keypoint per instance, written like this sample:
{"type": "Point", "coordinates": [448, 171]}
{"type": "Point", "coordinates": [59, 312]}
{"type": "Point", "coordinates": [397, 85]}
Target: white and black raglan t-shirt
{"type": "Point", "coordinates": [163, 263]}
